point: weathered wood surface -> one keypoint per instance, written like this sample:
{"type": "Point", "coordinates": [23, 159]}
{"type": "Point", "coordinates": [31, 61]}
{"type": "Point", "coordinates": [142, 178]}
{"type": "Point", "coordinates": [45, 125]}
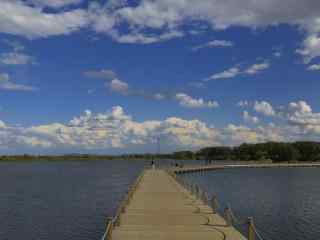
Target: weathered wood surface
{"type": "Point", "coordinates": [161, 209]}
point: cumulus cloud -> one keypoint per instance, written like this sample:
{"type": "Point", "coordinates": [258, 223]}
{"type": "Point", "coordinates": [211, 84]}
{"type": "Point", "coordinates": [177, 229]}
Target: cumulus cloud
{"type": "Point", "coordinates": [6, 84]}
{"type": "Point", "coordinates": [213, 44]}
{"type": "Point", "coordinates": [113, 83]}
{"type": "Point", "coordinates": [248, 118]}
{"type": "Point", "coordinates": [297, 120]}
{"type": "Point", "coordinates": [15, 58]}
{"type": "Point", "coordinates": [150, 21]}
{"type": "Point", "coordinates": [264, 108]}
{"type": "Point", "coordinates": [243, 103]}
{"type": "Point", "coordinates": [311, 48]}
{"type": "Point", "coordinates": [300, 116]}
{"type": "Point", "coordinates": [119, 86]}
{"type": "Point", "coordinates": [115, 130]}
{"type": "Point", "coordinates": [189, 102]}
{"type": "Point", "coordinates": [19, 18]}
{"type": "Point", "coordinates": [314, 67]}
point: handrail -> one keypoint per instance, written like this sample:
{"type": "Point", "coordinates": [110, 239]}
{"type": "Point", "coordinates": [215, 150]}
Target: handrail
{"type": "Point", "coordinates": [229, 216]}
{"type": "Point", "coordinates": [116, 220]}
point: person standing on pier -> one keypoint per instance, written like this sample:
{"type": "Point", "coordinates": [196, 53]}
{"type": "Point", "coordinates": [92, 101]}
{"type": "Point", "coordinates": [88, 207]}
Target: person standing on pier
{"type": "Point", "coordinates": [153, 166]}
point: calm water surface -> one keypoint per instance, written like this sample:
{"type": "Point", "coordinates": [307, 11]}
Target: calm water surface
{"type": "Point", "coordinates": [71, 200]}
{"type": "Point", "coordinates": [61, 200]}
{"type": "Point", "coordinates": [285, 202]}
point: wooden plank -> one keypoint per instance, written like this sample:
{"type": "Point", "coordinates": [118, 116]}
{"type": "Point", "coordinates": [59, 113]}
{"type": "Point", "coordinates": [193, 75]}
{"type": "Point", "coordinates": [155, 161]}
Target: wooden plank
{"type": "Point", "coordinates": [161, 209]}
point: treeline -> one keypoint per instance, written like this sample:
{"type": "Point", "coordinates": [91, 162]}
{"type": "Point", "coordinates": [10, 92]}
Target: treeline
{"type": "Point", "coordinates": [84, 157]}
{"type": "Point", "coordinates": [270, 151]}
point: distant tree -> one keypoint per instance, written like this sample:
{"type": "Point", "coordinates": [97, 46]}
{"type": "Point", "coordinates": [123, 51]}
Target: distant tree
{"type": "Point", "coordinates": [309, 151]}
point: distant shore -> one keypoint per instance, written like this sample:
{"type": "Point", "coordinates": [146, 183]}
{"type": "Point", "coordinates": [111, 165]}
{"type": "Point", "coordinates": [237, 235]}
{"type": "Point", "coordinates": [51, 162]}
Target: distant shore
{"type": "Point", "coordinates": [269, 152]}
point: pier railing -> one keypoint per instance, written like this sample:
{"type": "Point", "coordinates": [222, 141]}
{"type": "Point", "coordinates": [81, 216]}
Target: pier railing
{"type": "Point", "coordinates": [230, 218]}
{"type": "Point", "coordinates": [116, 220]}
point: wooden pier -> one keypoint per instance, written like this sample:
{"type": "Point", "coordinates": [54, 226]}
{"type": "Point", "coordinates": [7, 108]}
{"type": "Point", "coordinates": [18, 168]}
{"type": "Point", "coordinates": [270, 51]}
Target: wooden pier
{"type": "Point", "coordinates": [160, 208]}
{"type": "Point", "coordinates": [211, 167]}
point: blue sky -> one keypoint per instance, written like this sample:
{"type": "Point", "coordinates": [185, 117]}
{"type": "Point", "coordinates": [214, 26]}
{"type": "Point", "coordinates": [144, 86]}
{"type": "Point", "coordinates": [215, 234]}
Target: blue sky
{"type": "Point", "coordinates": [112, 76]}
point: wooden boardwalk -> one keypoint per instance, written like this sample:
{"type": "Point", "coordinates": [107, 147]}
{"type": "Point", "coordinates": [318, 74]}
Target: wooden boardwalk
{"type": "Point", "coordinates": [211, 167]}
{"type": "Point", "coordinates": [161, 209]}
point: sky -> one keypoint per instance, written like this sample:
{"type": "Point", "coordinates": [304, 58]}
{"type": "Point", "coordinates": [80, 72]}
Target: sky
{"type": "Point", "coordinates": [114, 76]}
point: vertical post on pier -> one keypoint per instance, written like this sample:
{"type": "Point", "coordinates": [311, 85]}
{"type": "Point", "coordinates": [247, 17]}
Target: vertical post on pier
{"type": "Point", "coordinates": [228, 216]}
{"type": "Point", "coordinates": [193, 190]}
{"type": "Point", "coordinates": [251, 231]}
{"type": "Point", "coordinates": [109, 229]}
{"type": "Point", "coordinates": [123, 208]}
{"type": "Point", "coordinates": [118, 220]}
{"type": "Point", "coordinates": [205, 198]}
{"type": "Point", "coordinates": [197, 190]}
{"type": "Point", "coordinates": [214, 204]}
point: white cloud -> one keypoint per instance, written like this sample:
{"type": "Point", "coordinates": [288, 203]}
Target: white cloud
{"type": "Point", "coordinates": [150, 21]}
{"type": "Point", "coordinates": [142, 38]}
{"type": "Point", "coordinates": [115, 129]}
{"type": "Point", "coordinates": [243, 103]}
{"type": "Point", "coordinates": [15, 58]}
{"type": "Point", "coordinates": [213, 44]}
{"type": "Point", "coordinates": [277, 54]}
{"type": "Point", "coordinates": [119, 86]}
{"type": "Point", "coordinates": [235, 71]}
{"type": "Point", "coordinates": [189, 102]}
{"type": "Point", "coordinates": [18, 18]}
{"type": "Point", "coordinates": [229, 73]}
{"type": "Point", "coordinates": [314, 67]}
{"type": "Point", "coordinates": [256, 68]}
{"type": "Point", "coordinates": [264, 108]}
{"type": "Point", "coordinates": [6, 84]}
{"type": "Point", "coordinates": [300, 116]}
{"type": "Point", "coordinates": [300, 107]}
{"type": "Point", "coordinates": [248, 118]}
{"type": "Point", "coordinates": [311, 48]}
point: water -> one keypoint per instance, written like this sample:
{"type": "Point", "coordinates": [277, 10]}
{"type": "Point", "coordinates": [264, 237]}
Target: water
{"type": "Point", "coordinates": [61, 200]}
{"type": "Point", "coordinates": [285, 202]}
{"type": "Point", "coordinates": [71, 200]}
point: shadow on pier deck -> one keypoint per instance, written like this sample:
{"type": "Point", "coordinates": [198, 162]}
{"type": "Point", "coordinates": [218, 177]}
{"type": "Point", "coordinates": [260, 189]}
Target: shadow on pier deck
{"type": "Point", "coordinates": [158, 207]}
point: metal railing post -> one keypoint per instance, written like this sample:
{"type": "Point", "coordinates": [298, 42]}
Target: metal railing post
{"type": "Point", "coordinates": [123, 208]}
{"type": "Point", "coordinates": [109, 229]}
{"type": "Point", "coordinates": [118, 220]}
{"type": "Point", "coordinates": [251, 231]}
{"type": "Point", "coordinates": [197, 191]}
{"type": "Point", "coordinates": [214, 204]}
{"type": "Point", "coordinates": [228, 216]}
{"type": "Point", "coordinates": [205, 198]}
